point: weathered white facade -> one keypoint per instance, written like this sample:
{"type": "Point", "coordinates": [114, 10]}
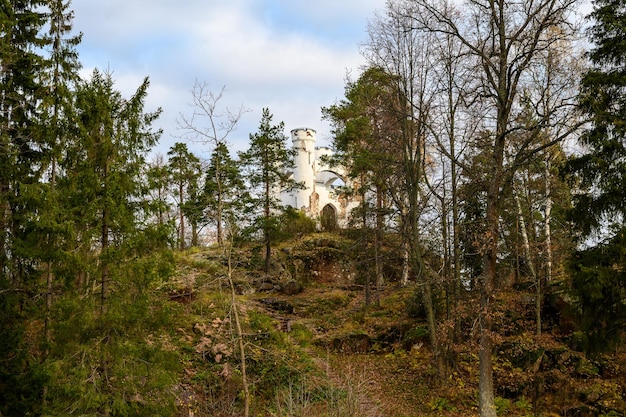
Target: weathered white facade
{"type": "Point", "coordinates": [321, 194]}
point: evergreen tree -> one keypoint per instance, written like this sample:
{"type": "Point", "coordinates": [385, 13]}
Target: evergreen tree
{"type": "Point", "coordinates": [599, 282]}
{"type": "Point", "coordinates": [22, 153]}
{"type": "Point", "coordinates": [601, 167]}
{"type": "Point", "coordinates": [366, 125]}
{"type": "Point", "coordinates": [600, 207]}
{"type": "Point", "coordinates": [157, 184]}
{"type": "Point", "coordinates": [193, 207]}
{"type": "Point", "coordinates": [185, 171]}
{"type": "Point", "coordinates": [103, 165]}
{"type": "Point", "coordinates": [60, 78]}
{"type": "Point", "coordinates": [266, 164]}
{"type": "Point", "coordinates": [224, 190]}
{"type": "Point", "coordinates": [116, 260]}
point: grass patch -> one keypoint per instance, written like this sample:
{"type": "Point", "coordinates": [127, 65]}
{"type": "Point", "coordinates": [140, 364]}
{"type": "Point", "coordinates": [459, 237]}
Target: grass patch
{"type": "Point", "coordinates": [301, 335]}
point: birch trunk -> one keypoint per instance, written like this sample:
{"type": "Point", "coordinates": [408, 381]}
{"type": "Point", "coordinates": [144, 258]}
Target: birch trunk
{"type": "Point", "coordinates": [548, 219]}
{"type": "Point", "coordinates": [530, 263]}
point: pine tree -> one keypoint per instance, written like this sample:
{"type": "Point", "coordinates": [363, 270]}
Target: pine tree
{"type": "Point", "coordinates": [157, 187]}
{"type": "Point", "coordinates": [185, 171]}
{"type": "Point", "coordinates": [365, 128]}
{"type": "Point", "coordinates": [224, 190]}
{"type": "Point", "coordinates": [266, 164]}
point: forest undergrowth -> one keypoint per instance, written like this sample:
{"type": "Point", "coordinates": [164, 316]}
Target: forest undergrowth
{"type": "Point", "coordinates": [321, 350]}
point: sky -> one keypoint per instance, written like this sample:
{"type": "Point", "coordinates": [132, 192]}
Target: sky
{"type": "Point", "coordinates": [290, 56]}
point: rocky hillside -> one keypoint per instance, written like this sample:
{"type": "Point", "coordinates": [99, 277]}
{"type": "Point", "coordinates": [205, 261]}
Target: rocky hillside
{"type": "Point", "coordinates": [314, 348]}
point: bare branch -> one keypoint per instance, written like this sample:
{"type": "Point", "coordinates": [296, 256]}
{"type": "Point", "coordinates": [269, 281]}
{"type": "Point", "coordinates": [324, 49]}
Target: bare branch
{"type": "Point", "coordinates": [208, 123]}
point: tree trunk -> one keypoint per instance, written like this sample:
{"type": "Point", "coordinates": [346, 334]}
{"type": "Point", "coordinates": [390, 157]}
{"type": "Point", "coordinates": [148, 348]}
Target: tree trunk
{"type": "Point", "coordinates": [486, 401]}
{"type": "Point", "coordinates": [181, 237]}
{"type": "Point", "coordinates": [220, 238]}
{"type": "Point", "coordinates": [104, 277]}
{"type": "Point", "coordinates": [548, 219]}
{"type": "Point", "coordinates": [242, 351]}
{"type": "Point", "coordinates": [530, 263]}
{"type": "Point", "coordinates": [364, 257]}
{"type": "Point", "coordinates": [404, 280]}
{"type": "Point", "coordinates": [49, 290]}
{"type": "Point", "coordinates": [4, 225]}
{"type": "Point", "coordinates": [47, 332]}
{"type": "Point", "coordinates": [456, 233]}
{"type": "Point", "coordinates": [104, 245]}
{"type": "Point", "coordinates": [423, 278]}
{"type": "Point", "coordinates": [525, 241]}
{"type": "Point", "coordinates": [161, 211]}
{"type": "Point", "coordinates": [219, 214]}
{"type": "Point", "coordinates": [378, 243]}
{"type": "Point", "coordinates": [104, 291]}
{"type": "Point", "coordinates": [446, 268]}
{"type": "Point", "coordinates": [421, 271]}
{"type": "Point", "coordinates": [194, 233]}
{"type": "Point", "coordinates": [266, 229]}
{"type": "Point", "coordinates": [456, 242]}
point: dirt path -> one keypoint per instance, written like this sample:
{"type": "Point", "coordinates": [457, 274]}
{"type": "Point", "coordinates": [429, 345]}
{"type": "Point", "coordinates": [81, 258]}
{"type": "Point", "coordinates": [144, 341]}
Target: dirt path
{"type": "Point", "coordinates": [365, 384]}
{"type": "Point", "coordinates": [360, 386]}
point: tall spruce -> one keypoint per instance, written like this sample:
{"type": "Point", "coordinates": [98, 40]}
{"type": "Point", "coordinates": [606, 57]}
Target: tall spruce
{"type": "Point", "coordinates": [103, 166]}
{"type": "Point", "coordinates": [60, 78]}
{"type": "Point", "coordinates": [21, 156]}
{"type": "Point", "coordinates": [601, 167]}
{"type": "Point", "coordinates": [600, 171]}
{"type": "Point", "coordinates": [103, 194]}
{"type": "Point", "coordinates": [21, 141]}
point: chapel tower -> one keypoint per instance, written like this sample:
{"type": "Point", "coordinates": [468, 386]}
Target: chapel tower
{"type": "Point", "coordinates": [320, 197]}
{"type": "Point", "coordinates": [303, 140]}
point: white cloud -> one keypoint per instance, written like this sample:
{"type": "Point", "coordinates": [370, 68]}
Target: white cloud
{"type": "Point", "coordinates": [257, 56]}
{"type": "Point", "coordinates": [288, 55]}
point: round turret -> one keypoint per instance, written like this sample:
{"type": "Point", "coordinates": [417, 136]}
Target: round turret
{"type": "Point", "coordinates": [304, 171]}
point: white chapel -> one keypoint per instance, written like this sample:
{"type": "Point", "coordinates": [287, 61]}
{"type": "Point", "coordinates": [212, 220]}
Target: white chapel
{"type": "Point", "coordinates": [321, 195]}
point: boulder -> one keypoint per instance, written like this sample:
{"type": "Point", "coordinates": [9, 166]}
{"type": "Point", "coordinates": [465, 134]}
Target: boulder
{"type": "Point", "coordinates": [291, 288]}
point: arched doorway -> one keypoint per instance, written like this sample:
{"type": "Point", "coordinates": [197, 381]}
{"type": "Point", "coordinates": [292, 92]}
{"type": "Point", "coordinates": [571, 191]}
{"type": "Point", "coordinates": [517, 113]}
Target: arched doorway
{"type": "Point", "coordinates": [328, 218]}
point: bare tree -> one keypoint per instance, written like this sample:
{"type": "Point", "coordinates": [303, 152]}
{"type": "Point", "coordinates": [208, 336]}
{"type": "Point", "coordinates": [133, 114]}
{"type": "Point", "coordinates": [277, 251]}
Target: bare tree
{"type": "Point", "coordinates": [556, 86]}
{"type": "Point", "coordinates": [505, 40]}
{"type": "Point", "coordinates": [210, 125]}
{"type": "Point", "coordinates": [405, 54]}
{"type": "Point", "coordinates": [454, 124]}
